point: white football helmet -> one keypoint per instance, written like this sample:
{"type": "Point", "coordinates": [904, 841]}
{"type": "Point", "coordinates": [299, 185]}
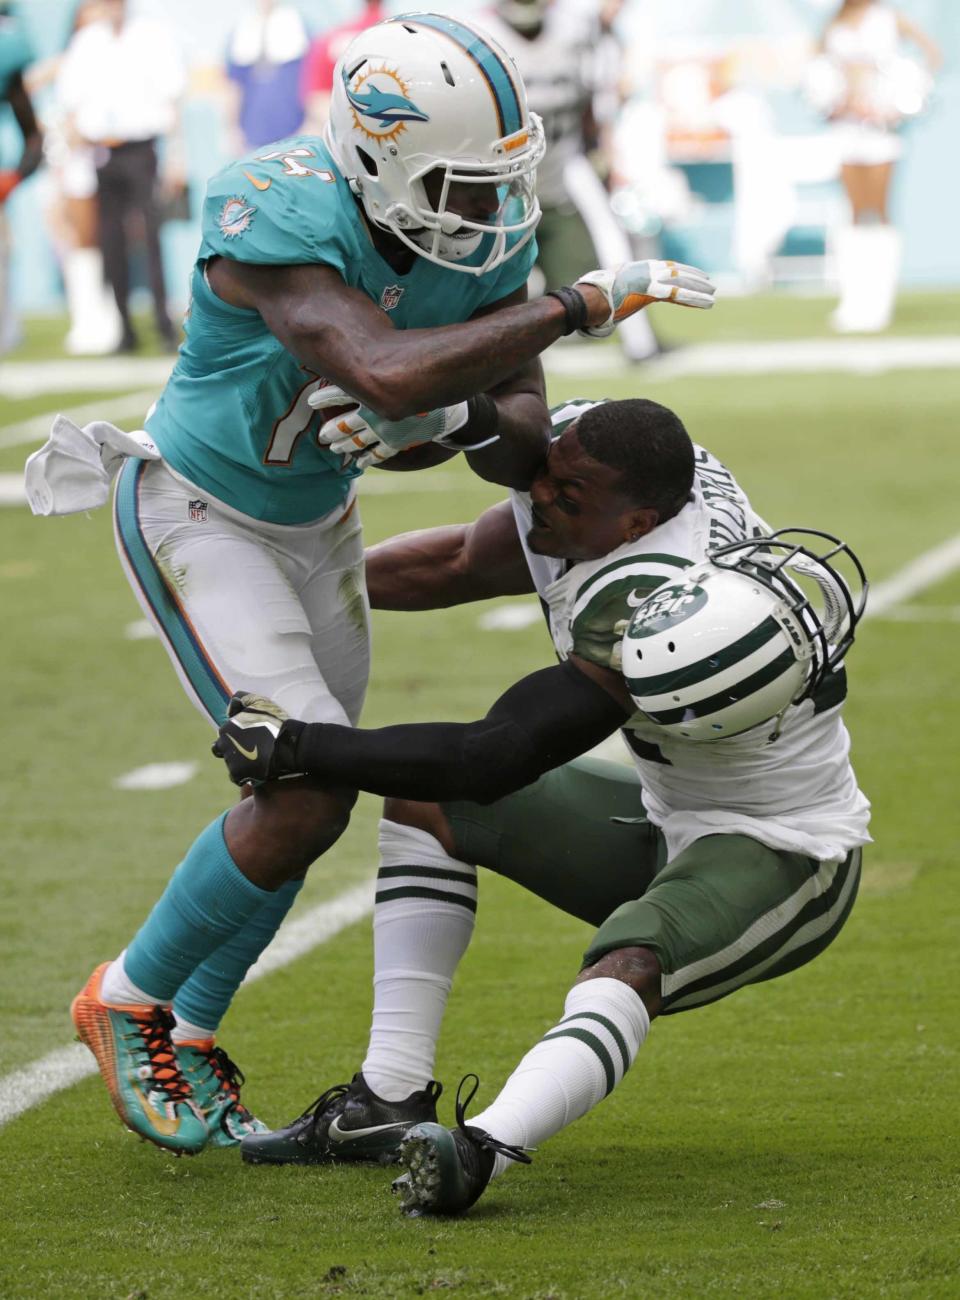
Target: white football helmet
{"type": "Point", "coordinates": [425, 92]}
{"type": "Point", "coordinates": [750, 631]}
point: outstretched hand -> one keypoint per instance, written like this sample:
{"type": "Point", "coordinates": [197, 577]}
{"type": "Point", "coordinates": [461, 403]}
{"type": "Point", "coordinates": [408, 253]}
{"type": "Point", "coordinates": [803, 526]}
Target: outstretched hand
{"type": "Point", "coordinates": [366, 438]}
{"type": "Point", "coordinates": [634, 285]}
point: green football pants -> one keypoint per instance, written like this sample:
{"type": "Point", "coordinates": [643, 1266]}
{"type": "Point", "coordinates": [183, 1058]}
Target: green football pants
{"type": "Point", "coordinates": [726, 912]}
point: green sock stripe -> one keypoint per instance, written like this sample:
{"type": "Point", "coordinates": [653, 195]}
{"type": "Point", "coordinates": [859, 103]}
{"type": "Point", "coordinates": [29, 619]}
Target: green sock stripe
{"type": "Point", "coordinates": [412, 891]}
{"type": "Point", "coordinates": [611, 1029]}
{"type": "Point", "coordinates": [595, 1045]}
{"type": "Point", "coordinates": [430, 873]}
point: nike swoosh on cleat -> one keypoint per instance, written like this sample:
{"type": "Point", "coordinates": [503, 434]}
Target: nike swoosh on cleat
{"type": "Point", "coordinates": [337, 1134]}
{"type": "Point", "coordinates": [159, 1121]}
{"type": "Point", "coordinates": [247, 753]}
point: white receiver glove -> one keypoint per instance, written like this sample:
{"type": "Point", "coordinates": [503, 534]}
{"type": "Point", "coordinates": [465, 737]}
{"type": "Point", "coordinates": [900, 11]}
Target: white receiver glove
{"type": "Point", "coordinates": [634, 285]}
{"type": "Point", "coordinates": [366, 438]}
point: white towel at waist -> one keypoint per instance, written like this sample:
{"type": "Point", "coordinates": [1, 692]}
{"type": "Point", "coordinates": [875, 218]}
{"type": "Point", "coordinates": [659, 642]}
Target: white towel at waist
{"type": "Point", "coordinates": [74, 468]}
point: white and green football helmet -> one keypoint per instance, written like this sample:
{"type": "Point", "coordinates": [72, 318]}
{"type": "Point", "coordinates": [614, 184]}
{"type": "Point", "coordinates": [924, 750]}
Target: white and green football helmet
{"type": "Point", "coordinates": [425, 93]}
{"type": "Point", "coordinates": [753, 629]}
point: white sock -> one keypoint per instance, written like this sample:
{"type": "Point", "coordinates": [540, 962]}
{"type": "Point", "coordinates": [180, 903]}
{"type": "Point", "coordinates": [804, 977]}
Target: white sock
{"type": "Point", "coordinates": [573, 1067]}
{"type": "Point", "coordinates": [119, 991]}
{"type": "Point", "coordinates": [422, 923]}
{"type": "Point", "coordinates": [185, 1032]}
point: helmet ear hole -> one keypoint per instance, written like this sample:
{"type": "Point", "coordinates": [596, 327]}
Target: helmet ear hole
{"type": "Point", "coordinates": [447, 74]}
{"type": "Point", "coordinates": [368, 162]}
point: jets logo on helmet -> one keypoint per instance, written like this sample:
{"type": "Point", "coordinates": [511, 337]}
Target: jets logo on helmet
{"type": "Point", "coordinates": [429, 95]}
{"type": "Point", "coordinates": [751, 631]}
{"type": "Point", "coordinates": [665, 608]}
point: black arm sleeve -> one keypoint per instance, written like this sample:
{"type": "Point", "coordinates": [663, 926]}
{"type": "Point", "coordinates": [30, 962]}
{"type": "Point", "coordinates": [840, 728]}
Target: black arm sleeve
{"type": "Point", "coordinates": [542, 721]}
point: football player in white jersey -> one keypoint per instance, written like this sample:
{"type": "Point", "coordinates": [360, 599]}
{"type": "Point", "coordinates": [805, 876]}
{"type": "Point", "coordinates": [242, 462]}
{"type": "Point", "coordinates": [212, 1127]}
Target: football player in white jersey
{"type": "Point", "coordinates": [554, 44]}
{"type": "Point", "coordinates": [730, 855]}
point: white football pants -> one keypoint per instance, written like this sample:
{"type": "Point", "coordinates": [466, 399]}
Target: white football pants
{"type": "Point", "coordinates": [277, 609]}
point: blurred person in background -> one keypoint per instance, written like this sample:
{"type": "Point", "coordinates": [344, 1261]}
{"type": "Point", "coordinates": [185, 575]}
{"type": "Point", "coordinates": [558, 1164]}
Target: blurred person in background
{"type": "Point", "coordinates": [120, 85]}
{"type": "Point", "coordinates": [317, 81]}
{"type": "Point", "coordinates": [16, 54]}
{"type": "Point", "coordinates": [868, 89]}
{"type": "Point", "coordinates": [554, 43]}
{"type": "Point", "coordinates": [70, 208]}
{"type": "Point", "coordinates": [265, 60]}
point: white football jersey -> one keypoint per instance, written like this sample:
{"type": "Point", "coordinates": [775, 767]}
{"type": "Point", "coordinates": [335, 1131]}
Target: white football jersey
{"type": "Point", "coordinates": [558, 73]}
{"type": "Point", "coordinates": [797, 792]}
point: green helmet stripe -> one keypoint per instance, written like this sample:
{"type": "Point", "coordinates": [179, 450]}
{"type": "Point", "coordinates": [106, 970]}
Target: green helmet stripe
{"type": "Point", "coordinates": [715, 703]}
{"type": "Point", "coordinates": [703, 669]}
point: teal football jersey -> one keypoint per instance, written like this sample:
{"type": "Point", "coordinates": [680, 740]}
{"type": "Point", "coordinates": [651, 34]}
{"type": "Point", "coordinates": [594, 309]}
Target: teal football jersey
{"type": "Point", "coordinates": [234, 417]}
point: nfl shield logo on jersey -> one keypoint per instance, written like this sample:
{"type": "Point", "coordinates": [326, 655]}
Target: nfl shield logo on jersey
{"type": "Point", "coordinates": [198, 512]}
{"type": "Point", "coordinates": [390, 297]}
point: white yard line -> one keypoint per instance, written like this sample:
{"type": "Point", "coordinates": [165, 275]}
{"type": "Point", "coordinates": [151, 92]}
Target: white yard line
{"type": "Point", "coordinates": [868, 355]}
{"type": "Point", "coordinates": [35, 1083]}
{"type": "Point", "coordinates": [23, 1089]}
{"type": "Point", "coordinates": [862, 356]}
{"type": "Point", "coordinates": [28, 378]}
{"type": "Point", "coordinates": [923, 572]}
{"type": "Point", "coordinates": [131, 406]}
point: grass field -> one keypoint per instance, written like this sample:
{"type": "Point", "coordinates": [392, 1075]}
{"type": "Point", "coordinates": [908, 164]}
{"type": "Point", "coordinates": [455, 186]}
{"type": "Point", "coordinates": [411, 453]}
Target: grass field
{"type": "Point", "coordinates": [798, 1140]}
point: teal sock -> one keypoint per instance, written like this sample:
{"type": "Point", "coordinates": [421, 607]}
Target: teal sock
{"type": "Point", "coordinates": [206, 902]}
{"type": "Point", "coordinates": [204, 998]}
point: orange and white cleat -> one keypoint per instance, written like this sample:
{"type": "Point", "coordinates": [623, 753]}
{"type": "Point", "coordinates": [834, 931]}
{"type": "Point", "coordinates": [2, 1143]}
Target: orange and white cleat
{"type": "Point", "coordinates": [138, 1063]}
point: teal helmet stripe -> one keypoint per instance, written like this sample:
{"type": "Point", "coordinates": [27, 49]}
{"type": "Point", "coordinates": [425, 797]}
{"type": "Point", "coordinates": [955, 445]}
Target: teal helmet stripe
{"type": "Point", "coordinates": [693, 674]}
{"type": "Point", "coordinates": [716, 703]}
{"type": "Point", "coordinates": [498, 77]}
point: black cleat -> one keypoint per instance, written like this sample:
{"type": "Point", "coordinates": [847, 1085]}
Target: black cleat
{"type": "Point", "coordinates": [347, 1122]}
{"type": "Point", "coordinates": [448, 1169]}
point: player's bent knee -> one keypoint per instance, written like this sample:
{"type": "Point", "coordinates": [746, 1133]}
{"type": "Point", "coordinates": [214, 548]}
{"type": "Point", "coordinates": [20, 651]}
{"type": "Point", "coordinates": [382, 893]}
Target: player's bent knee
{"type": "Point", "coordinates": [428, 817]}
{"type": "Point", "coordinates": [637, 967]}
{"type": "Point", "coordinates": [285, 827]}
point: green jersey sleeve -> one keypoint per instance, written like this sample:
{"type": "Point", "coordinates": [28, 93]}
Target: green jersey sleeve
{"type": "Point", "coordinates": [605, 601]}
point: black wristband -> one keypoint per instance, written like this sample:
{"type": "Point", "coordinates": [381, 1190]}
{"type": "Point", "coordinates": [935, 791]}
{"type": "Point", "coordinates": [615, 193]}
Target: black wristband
{"type": "Point", "coordinates": [482, 426]}
{"type": "Point", "coordinates": [574, 306]}
{"type": "Point", "coordinates": [284, 761]}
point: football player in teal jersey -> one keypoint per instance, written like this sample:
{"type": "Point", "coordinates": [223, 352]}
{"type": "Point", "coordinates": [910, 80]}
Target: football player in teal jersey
{"type": "Point", "coordinates": [375, 277]}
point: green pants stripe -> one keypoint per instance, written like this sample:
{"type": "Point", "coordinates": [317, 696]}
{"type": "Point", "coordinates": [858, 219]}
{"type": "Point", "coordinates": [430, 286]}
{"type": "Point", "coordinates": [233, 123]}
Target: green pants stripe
{"type": "Point", "coordinates": [726, 912]}
{"type": "Point", "coordinates": [808, 936]}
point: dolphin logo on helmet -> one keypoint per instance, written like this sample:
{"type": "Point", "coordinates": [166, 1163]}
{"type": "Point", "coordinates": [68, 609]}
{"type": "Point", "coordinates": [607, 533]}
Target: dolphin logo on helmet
{"type": "Point", "coordinates": [383, 107]}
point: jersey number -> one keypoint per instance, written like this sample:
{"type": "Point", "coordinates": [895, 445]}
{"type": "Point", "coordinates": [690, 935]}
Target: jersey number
{"type": "Point", "coordinates": [290, 427]}
{"type": "Point", "coordinates": [291, 165]}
